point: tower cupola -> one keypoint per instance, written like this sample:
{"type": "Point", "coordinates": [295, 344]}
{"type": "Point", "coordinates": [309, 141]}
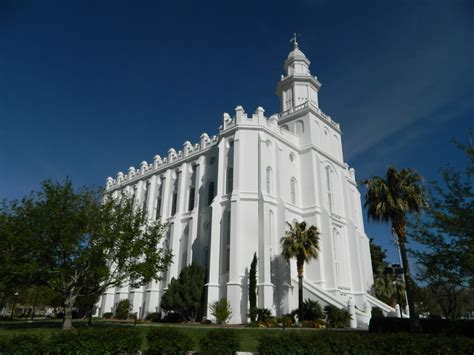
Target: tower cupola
{"type": "Point", "coordinates": [297, 87]}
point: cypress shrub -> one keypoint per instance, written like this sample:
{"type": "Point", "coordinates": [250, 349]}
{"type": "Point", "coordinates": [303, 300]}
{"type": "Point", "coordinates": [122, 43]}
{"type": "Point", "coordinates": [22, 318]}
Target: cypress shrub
{"type": "Point", "coordinates": [167, 340]}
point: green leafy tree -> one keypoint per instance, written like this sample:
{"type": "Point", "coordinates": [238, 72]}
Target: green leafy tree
{"type": "Point", "coordinates": [392, 199]}
{"type": "Point", "coordinates": [301, 242]}
{"type": "Point", "coordinates": [446, 234]}
{"type": "Point", "coordinates": [185, 294]}
{"type": "Point", "coordinates": [81, 238]}
{"type": "Point", "coordinates": [221, 310]}
{"type": "Point", "coordinates": [253, 288]}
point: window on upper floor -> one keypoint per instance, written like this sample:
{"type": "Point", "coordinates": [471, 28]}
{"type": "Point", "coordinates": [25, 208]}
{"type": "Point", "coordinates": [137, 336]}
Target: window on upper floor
{"type": "Point", "coordinates": [192, 192]}
{"type": "Point", "coordinates": [210, 192]}
{"type": "Point", "coordinates": [329, 189]}
{"type": "Point", "coordinates": [269, 180]}
{"type": "Point", "coordinates": [293, 187]}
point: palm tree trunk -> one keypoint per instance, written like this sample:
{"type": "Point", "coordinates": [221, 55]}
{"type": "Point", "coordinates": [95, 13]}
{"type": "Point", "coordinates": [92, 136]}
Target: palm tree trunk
{"type": "Point", "coordinates": [415, 326]}
{"type": "Point", "coordinates": [300, 266]}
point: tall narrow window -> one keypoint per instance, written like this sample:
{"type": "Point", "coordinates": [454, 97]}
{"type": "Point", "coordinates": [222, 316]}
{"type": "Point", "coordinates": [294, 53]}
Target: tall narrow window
{"type": "Point", "coordinates": [174, 201]}
{"type": "Point", "coordinates": [336, 253]}
{"type": "Point", "coordinates": [230, 180]}
{"type": "Point", "coordinates": [192, 192]}
{"type": "Point", "coordinates": [227, 243]}
{"type": "Point", "coordinates": [293, 190]}
{"type": "Point", "coordinates": [269, 180]}
{"type": "Point", "coordinates": [210, 193]}
{"type": "Point", "coordinates": [145, 196]}
{"type": "Point", "coordinates": [158, 199]}
{"type": "Point", "coordinates": [329, 187]}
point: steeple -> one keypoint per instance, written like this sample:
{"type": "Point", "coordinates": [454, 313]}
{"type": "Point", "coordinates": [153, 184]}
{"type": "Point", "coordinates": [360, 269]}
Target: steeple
{"type": "Point", "coordinates": [298, 86]}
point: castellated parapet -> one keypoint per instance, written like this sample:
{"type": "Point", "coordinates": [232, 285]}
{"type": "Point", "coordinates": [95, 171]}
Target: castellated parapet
{"type": "Point", "coordinates": [239, 119]}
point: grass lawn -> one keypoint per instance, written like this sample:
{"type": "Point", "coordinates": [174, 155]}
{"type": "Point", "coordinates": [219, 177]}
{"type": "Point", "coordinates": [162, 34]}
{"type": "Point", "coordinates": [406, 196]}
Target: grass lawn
{"type": "Point", "coordinates": [248, 336]}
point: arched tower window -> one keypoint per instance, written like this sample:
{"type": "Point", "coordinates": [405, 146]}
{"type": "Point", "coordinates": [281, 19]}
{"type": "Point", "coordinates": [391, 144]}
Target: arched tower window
{"type": "Point", "coordinates": [158, 199]}
{"type": "Point", "coordinates": [210, 192]}
{"type": "Point", "coordinates": [269, 180]}
{"type": "Point", "coordinates": [293, 187]}
{"type": "Point", "coordinates": [299, 127]}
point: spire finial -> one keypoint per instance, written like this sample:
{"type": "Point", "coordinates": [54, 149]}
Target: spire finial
{"type": "Point", "coordinates": [293, 40]}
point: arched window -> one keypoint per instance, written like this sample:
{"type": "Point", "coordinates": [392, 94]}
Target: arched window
{"type": "Point", "coordinates": [285, 127]}
{"type": "Point", "coordinates": [330, 189]}
{"type": "Point", "coordinates": [293, 190]}
{"type": "Point", "coordinates": [269, 180]}
{"type": "Point", "coordinates": [158, 199]}
{"type": "Point", "coordinates": [210, 192]}
{"type": "Point", "coordinates": [174, 200]}
{"type": "Point", "coordinates": [146, 190]}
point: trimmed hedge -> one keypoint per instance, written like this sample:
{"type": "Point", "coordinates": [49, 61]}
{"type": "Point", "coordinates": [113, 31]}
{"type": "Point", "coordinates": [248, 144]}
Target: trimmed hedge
{"type": "Point", "coordinates": [459, 327]}
{"type": "Point", "coordinates": [220, 341]}
{"type": "Point", "coordinates": [167, 340]}
{"type": "Point", "coordinates": [24, 344]}
{"type": "Point", "coordinates": [99, 341]}
{"type": "Point", "coordinates": [330, 342]}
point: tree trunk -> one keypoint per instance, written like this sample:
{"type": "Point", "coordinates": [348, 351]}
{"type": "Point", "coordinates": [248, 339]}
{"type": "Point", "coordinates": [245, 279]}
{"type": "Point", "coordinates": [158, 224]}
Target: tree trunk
{"type": "Point", "coordinates": [415, 326]}
{"type": "Point", "coordinates": [68, 304]}
{"type": "Point", "coordinates": [300, 290]}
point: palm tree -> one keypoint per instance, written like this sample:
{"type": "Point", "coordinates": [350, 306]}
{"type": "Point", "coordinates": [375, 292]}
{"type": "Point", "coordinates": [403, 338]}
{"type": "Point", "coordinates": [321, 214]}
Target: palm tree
{"type": "Point", "coordinates": [300, 242]}
{"type": "Point", "coordinates": [390, 200]}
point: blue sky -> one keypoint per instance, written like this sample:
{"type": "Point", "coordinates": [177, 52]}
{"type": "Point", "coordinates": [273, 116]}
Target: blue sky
{"type": "Point", "coordinates": [88, 88]}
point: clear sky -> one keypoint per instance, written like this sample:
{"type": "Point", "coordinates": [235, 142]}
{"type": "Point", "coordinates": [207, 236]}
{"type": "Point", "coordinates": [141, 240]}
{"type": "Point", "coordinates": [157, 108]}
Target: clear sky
{"type": "Point", "coordinates": [89, 88]}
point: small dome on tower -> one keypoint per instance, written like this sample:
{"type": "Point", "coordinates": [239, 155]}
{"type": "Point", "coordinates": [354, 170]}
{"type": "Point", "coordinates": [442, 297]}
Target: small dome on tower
{"type": "Point", "coordinates": [296, 53]}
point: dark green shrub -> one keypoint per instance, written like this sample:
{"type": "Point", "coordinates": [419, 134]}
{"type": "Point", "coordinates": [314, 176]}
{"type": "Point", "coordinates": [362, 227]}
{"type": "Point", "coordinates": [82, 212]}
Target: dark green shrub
{"type": "Point", "coordinates": [377, 313]}
{"type": "Point", "coordinates": [337, 317]}
{"type": "Point", "coordinates": [93, 340]}
{"type": "Point", "coordinates": [312, 310]}
{"type": "Point", "coordinates": [153, 317]}
{"type": "Point", "coordinates": [221, 310]}
{"type": "Point", "coordinates": [263, 314]}
{"type": "Point", "coordinates": [220, 341]}
{"type": "Point", "coordinates": [108, 315]}
{"type": "Point", "coordinates": [329, 342]}
{"type": "Point", "coordinates": [123, 309]}
{"type": "Point", "coordinates": [167, 340]}
{"type": "Point", "coordinates": [20, 344]}
{"type": "Point", "coordinates": [172, 317]}
{"type": "Point", "coordinates": [185, 295]}
{"type": "Point", "coordinates": [459, 327]}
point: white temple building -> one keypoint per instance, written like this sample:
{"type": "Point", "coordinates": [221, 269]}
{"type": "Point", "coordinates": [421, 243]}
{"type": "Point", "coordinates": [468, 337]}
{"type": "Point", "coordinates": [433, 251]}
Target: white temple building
{"type": "Point", "coordinates": [230, 195]}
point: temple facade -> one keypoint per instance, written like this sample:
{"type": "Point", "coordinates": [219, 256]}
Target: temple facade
{"type": "Point", "coordinates": [231, 195]}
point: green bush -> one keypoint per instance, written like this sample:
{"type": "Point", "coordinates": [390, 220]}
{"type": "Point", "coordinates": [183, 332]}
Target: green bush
{"type": "Point", "coordinates": [153, 317]}
{"type": "Point", "coordinates": [326, 342]}
{"type": "Point", "coordinates": [20, 344]}
{"type": "Point", "coordinates": [312, 310]}
{"type": "Point", "coordinates": [168, 340]}
{"type": "Point", "coordinates": [263, 314]}
{"type": "Point", "coordinates": [123, 309]}
{"type": "Point", "coordinates": [108, 315]}
{"type": "Point", "coordinates": [459, 327]}
{"type": "Point", "coordinates": [377, 313]}
{"type": "Point", "coordinates": [221, 310]}
{"type": "Point", "coordinates": [337, 317]}
{"type": "Point", "coordinates": [220, 341]}
{"type": "Point", "coordinates": [93, 340]}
